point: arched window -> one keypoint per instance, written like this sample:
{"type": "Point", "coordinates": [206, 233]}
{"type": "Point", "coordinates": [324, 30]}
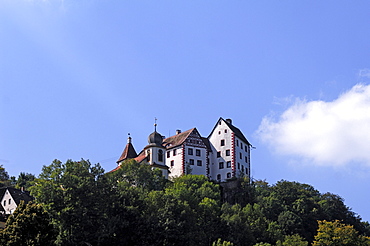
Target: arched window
{"type": "Point", "coordinates": [218, 176]}
{"type": "Point", "coordinates": [160, 155]}
{"type": "Point", "coordinates": [228, 175]}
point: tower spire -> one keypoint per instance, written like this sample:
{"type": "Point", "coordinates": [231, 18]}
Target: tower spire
{"type": "Point", "coordinates": [155, 124]}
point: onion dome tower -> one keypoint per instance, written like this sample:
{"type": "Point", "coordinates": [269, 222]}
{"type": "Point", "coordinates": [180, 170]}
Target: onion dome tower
{"type": "Point", "coordinates": [155, 151]}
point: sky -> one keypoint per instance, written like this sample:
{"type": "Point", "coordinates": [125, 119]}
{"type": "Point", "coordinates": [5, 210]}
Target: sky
{"type": "Point", "coordinates": [77, 76]}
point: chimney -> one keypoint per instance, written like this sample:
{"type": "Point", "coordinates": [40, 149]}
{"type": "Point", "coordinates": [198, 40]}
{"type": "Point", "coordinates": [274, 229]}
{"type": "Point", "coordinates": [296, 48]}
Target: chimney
{"type": "Point", "coordinates": [229, 121]}
{"type": "Point", "coordinates": [178, 131]}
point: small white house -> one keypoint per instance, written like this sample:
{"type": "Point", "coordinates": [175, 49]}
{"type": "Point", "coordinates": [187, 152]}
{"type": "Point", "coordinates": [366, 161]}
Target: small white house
{"type": "Point", "coordinates": [11, 198]}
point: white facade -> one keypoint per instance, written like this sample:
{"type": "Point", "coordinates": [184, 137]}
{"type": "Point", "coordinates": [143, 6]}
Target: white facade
{"type": "Point", "coordinates": [230, 152]}
{"type": "Point", "coordinates": [174, 160]}
{"type": "Point", "coordinates": [222, 158]}
{"type": "Point", "coordinates": [186, 154]}
{"type": "Point", "coordinates": [8, 203]}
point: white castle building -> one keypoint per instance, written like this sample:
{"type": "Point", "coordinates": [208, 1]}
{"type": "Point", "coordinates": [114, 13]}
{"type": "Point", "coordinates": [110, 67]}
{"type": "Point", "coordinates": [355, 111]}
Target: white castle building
{"type": "Point", "coordinates": [224, 154]}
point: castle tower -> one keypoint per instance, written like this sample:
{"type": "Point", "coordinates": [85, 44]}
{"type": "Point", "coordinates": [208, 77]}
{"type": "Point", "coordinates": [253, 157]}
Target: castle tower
{"type": "Point", "coordinates": [155, 152]}
{"type": "Point", "coordinates": [128, 152]}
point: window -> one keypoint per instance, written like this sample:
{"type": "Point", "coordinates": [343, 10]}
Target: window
{"type": "Point", "coordinates": [218, 176]}
{"type": "Point", "coordinates": [191, 161]}
{"type": "Point", "coordinates": [228, 164]}
{"type": "Point", "coordinates": [174, 152]}
{"type": "Point", "coordinates": [242, 168]}
{"type": "Point", "coordinates": [223, 142]}
{"type": "Point", "coordinates": [241, 145]}
{"type": "Point", "coordinates": [227, 152]}
{"type": "Point", "coordinates": [219, 132]}
{"type": "Point", "coordinates": [190, 151]}
{"type": "Point", "coordinates": [172, 163]}
{"type": "Point", "coordinates": [225, 130]}
{"type": "Point", "coordinates": [221, 165]}
{"type": "Point", "coordinates": [168, 154]}
{"type": "Point", "coordinates": [245, 148]}
{"type": "Point", "coordinates": [246, 171]}
{"type": "Point", "coordinates": [218, 154]}
{"type": "Point", "coordinates": [160, 155]}
{"type": "Point", "coordinates": [199, 162]}
{"type": "Point", "coordinates": [238, 165]}
{"type": "Point", "coordinates": [4, 202]}
{"type": "Point", "coordinates": [241, 155]}
{"type": "Point", "coordinates": [197, 152]}
{"type": "Point", "coordinates": [148, 155]}
{"type": "Point", "coordinates": [228, 175]}
{"type": "Point", "coordinates": [237, 142]}
{"type": "Point", "coordinates": [246, 159]}
{"type": "Point", "coordinates": [10, 201]}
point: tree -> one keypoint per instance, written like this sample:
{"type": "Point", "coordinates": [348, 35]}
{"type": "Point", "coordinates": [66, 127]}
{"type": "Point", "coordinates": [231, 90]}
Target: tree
{"type": "Point", "coordinates": [70, 192]}
{"type": "Point", "coordinates": [219, 242]}
{"type": "Point", "coordinates": [24, 180]}
{"type": "Point", "coordinates": [292, 240]}
{"type": "Point", "coordinates": [139, 175]}
{"type": "Point", "coordinates": [30, 224]}
{"type": "Point", "coordinates": [187, 212]}
{"type": "Point", "coordinates": [4, 177]}
{"type": "Point", "coordinates": [237, 230]}
{"type": "Point", "coordinates": [336, 233]}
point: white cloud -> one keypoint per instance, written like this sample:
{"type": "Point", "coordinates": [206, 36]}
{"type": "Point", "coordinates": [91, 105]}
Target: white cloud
{"type": "Point", "coordinates": [333, 133]}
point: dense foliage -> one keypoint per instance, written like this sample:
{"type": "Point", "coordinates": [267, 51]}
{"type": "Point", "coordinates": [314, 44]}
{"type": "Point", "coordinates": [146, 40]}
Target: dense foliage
{"type": "Point", "coordinates": [30, 224]}
{"type": "Point", "coordinates": [135, 205]}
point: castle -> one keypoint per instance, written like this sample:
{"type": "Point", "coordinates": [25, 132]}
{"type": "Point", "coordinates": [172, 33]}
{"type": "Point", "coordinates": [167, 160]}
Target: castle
{"type": "Point", "coordinates": [224, 154]}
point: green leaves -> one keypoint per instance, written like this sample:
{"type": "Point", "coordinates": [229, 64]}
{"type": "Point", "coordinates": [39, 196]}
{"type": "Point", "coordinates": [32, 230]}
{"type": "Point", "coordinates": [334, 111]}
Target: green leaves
{"type": "Point", "coordinates": [135, 205]}
{"type": "Point", "coordinates": [30, 224]}
{"type": "Point", "coordinates": [336, 233]}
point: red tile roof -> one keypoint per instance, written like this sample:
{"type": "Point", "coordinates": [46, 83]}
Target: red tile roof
{"type": "Point", "coordinates": [128, 153]}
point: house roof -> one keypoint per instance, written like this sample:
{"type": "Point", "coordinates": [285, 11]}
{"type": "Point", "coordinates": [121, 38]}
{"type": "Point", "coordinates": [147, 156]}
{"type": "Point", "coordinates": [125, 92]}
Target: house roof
{"type": "Point", "coordinates": [128, 152]}
{"type": "Point", "coordinates": [177, 139]}
{"type": "Point", "coordinates": [2, 192]}
{"type": "Point", "coordinates": [18, 195]}
{"type": "Point", "coordinates": [141, 157]}
{"type": "Point", "coordinates": [233, 128]}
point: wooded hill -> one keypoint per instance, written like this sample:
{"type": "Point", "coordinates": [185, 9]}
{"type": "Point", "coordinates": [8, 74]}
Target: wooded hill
{"type": "Point", "coordinates": [77, 204]}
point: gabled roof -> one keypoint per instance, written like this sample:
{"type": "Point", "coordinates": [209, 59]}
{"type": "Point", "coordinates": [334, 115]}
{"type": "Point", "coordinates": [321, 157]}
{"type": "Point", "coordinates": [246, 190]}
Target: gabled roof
{"type": "Point", "coordinates": [128, 153]}
{"type": "Point", "coordinates": [177, 139]}
{"type": "Point", "coordinates": [233, 128]}
{"type": "Point", "coordinates": [17, 195]}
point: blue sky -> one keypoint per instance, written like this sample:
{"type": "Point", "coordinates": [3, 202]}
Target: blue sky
{"type": "Point", "coordinates": [76, 76]}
